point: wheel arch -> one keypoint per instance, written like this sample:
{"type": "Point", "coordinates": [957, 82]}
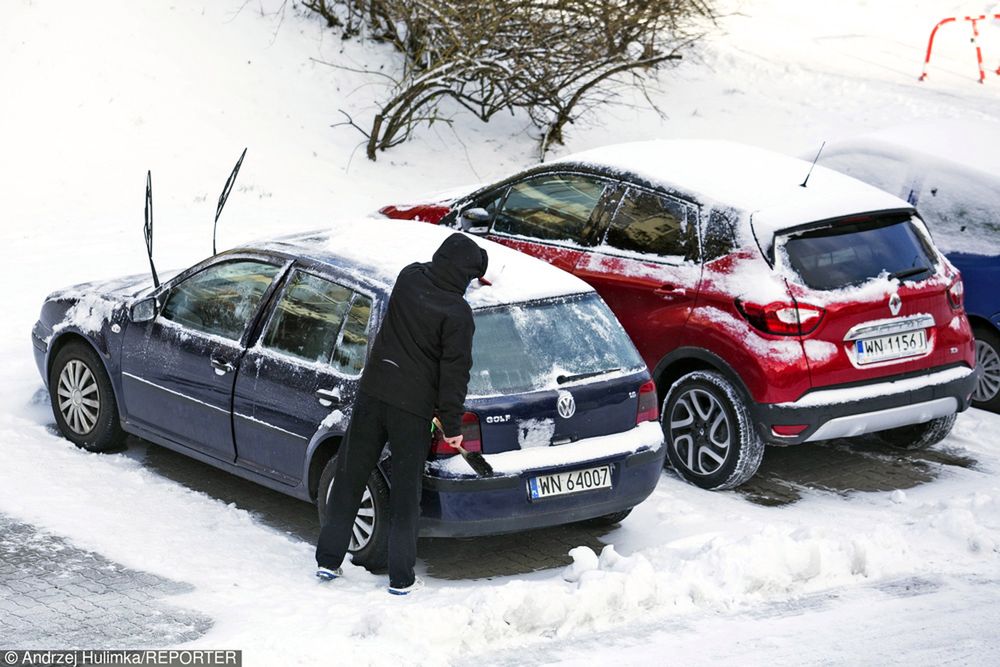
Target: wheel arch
{"type": "Point", "coordinates": [324, 449]}
{"type": "Point", "coordinates": [980, 322]}
{"type": "Point", "coordinates": [71, 335]}
{"type": "Point", "coordinates": [686, 360]}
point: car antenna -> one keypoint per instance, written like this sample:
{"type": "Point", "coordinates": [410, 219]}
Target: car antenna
{"type": "Point", "coordinates": [147, 228]}
{"type": "Point", "coordinates": [815, 160]}
{"type": "Point", "coordinates": [226, 189]}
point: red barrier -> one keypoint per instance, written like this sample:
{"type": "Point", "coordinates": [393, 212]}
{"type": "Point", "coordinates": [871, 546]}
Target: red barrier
{"type": "Point", "coordinates": [975, 40]}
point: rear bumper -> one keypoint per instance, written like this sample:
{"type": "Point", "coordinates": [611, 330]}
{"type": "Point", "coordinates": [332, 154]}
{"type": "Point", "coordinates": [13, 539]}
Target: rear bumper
{"type": "Point", "coordinates": [467, 507]}
{"type": "Point", "coordinates": [843, 412]}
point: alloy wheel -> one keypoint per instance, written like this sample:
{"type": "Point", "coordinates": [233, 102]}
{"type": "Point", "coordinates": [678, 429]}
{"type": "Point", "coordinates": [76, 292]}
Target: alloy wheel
{"type": "Point", "coordinates": [364, 522]}
{"type": "Point", "coordinates": [700, 432]}
{"type": "Point", "coordinates": [79, 397]}
{"type": "Point", "coordinates": [988, 361]}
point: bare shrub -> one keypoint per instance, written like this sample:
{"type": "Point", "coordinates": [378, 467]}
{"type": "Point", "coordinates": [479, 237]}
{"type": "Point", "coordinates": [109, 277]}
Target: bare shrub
{"type": "Point", "coordinates": [556, 59]}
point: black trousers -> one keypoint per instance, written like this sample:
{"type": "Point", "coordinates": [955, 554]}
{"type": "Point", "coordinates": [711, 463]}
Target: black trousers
{"type": "Point", "coordinates": [373, 423]}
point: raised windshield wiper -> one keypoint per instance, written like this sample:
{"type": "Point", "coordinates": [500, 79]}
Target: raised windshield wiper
{"type": "Point", "coordinates": [906, 273]}
{"type": "Point", "coordinates": [563, 379]}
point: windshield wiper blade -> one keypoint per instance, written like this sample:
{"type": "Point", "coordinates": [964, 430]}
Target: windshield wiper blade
{"type": "Point", "coordinates": [563, 379]}
{"type": "Point", "coordinates": [906, 273]}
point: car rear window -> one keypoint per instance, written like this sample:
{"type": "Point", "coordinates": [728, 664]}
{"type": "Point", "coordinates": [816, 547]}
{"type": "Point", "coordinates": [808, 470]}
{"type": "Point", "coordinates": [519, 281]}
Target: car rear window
{"type": "Point", "coordinates": [853, 253]}
{"type": "Point", "coordinates": [529, 347]}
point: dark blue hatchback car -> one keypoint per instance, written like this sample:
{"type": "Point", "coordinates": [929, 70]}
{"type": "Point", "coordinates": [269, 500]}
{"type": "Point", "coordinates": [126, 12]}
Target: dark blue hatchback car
{"type": "Point", "coordinates": [249, 361]}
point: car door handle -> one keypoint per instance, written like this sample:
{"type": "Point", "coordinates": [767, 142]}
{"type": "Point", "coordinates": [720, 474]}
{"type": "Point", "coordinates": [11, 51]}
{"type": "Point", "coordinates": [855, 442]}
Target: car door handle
{"type": "Point", "coordinates": [668, 291]}
{"type": "Point", "coordinates": [222, 367]}
{"type": "Point", "coordinates": [328, 397]}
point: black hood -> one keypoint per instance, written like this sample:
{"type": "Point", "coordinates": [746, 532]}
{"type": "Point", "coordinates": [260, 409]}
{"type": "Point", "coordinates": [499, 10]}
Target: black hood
{"type": "Point", "coordinates": [457, 262]}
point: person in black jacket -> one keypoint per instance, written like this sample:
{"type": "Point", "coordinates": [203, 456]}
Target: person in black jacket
{"type": "Point", "coordinates": [419, 363]}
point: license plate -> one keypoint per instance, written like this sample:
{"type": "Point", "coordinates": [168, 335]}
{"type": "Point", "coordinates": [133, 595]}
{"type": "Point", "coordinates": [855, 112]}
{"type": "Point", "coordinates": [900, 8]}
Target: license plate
{"type": "Point", "coordinates": [896, 346]}
{"type": "Point", "coordinates": [560, 484]}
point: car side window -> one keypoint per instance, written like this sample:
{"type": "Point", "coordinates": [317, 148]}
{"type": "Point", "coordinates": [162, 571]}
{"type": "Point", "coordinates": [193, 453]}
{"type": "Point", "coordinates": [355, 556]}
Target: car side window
{"type": "Point", "coordinates": [650, 224]}
{"type": "Point", "coordinates": [492, 201]}
{"type": "Point", "coordinates": [352, 348]}
{"type": "Point", "coordinates": [553, 207]}
{"type": "Point", "coordinates": [308, 318]}
{"type": "Point", "coordinates": [719, 235]}
{"type": "Point", "coordinates": [221, 299]}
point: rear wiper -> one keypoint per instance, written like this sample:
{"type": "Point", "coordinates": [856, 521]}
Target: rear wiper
{"type": "Point", "coordinates": [563, 379]}
{"type": "Point", "coordinates": [906, 273]}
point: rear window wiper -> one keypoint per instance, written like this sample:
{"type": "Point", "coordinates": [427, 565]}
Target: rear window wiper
{"type": "Point", "coordinates": [563, 379]}
{"type": "Point", "coordinates": [906, 273]}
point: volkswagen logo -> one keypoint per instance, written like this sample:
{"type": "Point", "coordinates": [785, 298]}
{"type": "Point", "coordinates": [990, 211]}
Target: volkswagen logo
{"type": "Point", "coordinates": [566, 405]}
{"type": "Point", "coordinates": [895, 303]}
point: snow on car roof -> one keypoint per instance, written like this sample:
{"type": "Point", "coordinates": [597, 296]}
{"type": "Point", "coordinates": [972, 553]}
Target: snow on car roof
{"type": "Point", "coordinates": [968, 144]}
{"type": "Point", "coordinates": [763, 184]}
{"type": "Point", "coordinates": [385, 246]}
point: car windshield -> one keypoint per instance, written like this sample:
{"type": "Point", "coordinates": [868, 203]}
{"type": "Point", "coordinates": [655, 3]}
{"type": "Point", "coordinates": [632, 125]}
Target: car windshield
{"type": "Point", "coordinates": [853, 253]}
{"type": "Point", "coordinates": [542, 345]}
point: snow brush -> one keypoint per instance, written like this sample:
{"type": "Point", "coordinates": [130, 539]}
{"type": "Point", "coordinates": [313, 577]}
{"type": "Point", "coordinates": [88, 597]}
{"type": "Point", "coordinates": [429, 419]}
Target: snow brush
{"type": "Point", "coordinates": [476, 460]}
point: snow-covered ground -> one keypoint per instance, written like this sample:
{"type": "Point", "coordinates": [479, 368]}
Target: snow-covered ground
{"type": "Point", "coordinates": [91, 97]}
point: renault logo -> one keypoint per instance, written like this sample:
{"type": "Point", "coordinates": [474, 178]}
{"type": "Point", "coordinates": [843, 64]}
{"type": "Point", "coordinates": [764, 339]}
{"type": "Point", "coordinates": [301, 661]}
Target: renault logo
{"type": "Point", "coordinates": [566, 405]}
{"type": "Point", "coordinates": [895, 303]}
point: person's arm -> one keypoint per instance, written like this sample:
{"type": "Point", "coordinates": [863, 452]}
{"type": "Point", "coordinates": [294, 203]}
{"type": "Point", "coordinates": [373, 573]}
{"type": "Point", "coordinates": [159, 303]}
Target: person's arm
{"type": "Point", "coordinates": [453, 378]}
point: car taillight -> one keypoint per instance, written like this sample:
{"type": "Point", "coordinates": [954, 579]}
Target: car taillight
{"type": "Point", "coordinates": [648, 410]}
{"type": "Point", "coordinates": [784, 319]}
{"type": "Point", "coordinates": [472, 437]}
{"type": "Point", "coordinates": [956, 293]}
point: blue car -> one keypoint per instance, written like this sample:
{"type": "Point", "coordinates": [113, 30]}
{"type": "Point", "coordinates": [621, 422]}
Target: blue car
{"type": "Point", "coordinates": [950, 171]}
{"type": "Point", "coordinates": [250, 361]}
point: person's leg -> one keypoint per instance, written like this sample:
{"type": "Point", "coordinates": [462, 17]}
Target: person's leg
{"type": "Point", "coordinates": [409, 442]}
{"type": "Point", "coordinates": [358, 455]}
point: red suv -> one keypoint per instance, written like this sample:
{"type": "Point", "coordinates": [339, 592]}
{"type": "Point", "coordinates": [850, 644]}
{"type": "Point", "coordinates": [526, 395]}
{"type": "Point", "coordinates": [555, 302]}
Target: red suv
{"type": "Point", "coordinates": [772, 306]}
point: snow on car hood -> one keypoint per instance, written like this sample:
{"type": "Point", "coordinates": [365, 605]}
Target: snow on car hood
{"type": "Point", "coordinates": [123, 287]}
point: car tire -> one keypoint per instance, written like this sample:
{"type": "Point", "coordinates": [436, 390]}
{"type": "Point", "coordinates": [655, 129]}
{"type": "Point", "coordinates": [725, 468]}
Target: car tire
{"type": "Point", "coordinates": [608, 519]}
{"type": "Point", "coordinates": [918, 436]}
{"type": "Point", "coordinates": [372, 553]}
{"type": "Point", "coordinates": [987, 393]}
{"type": "Point", "coordinates": [83, 400]}
{"type": "Point", "coordinates": [710, 438]}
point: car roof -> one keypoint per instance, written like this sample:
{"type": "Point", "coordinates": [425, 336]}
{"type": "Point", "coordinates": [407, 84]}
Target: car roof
{"type": "Point", "coordinates": [376, 249]}
{"type": "Point", "coordinates": [763, 184]}
{"type": "Point", "coordinates": [964, 144]}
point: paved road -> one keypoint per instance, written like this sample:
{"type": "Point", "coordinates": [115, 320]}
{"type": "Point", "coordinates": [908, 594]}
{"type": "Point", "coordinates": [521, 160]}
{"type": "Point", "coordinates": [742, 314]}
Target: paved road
{"type": "Point", "coordinates": [54, 595]}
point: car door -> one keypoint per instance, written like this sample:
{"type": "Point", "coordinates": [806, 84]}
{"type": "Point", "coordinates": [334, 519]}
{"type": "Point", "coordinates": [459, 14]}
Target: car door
{"type": "Point", "coordinates": [178, 369]}
{"type": "Point", "coordinates": [301, 373]}
{"type": "Point", "coordinates": [551, 216]}
{"type": "Point", "coordinates": [647, 268]}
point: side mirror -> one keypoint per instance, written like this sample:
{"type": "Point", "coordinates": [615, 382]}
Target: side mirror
{"type": "Point", "coordinates": [143, 311]}
{"type": "Point", "coordinates": [475, 220]}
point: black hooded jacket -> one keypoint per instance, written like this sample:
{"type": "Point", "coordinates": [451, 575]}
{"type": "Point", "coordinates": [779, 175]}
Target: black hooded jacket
{"type": "Point", "coordinates": [422, 354]}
